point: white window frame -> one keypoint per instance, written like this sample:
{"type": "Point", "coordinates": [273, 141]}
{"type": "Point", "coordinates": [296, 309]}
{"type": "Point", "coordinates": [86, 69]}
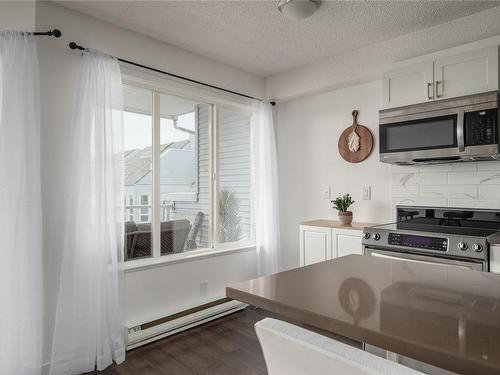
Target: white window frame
{"type": "Point", "coordinates": [160, 85]}
{"type": "Point", "coordinates": [143, 206]}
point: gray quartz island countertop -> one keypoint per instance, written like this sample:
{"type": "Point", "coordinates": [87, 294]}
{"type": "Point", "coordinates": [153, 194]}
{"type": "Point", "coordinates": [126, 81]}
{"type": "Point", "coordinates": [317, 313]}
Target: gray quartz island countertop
{"type": "Point", "coordinates": [445, 316]}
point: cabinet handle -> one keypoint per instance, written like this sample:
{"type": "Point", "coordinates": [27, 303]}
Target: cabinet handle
{"type": "Point", "coordinates": [460, 131]}
{"type": "Point", "coordinates": [437, 89]}
{"type": "Point", "coordinates": [429, 96]}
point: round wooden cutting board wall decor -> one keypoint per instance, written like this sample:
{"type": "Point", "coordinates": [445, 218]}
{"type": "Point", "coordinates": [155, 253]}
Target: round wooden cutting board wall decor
{"type": "Point", "coordinates": [355, 148]}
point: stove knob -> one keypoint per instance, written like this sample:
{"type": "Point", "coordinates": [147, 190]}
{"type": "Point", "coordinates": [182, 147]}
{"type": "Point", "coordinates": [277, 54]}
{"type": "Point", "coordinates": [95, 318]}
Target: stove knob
{"type": "Point", "coordinates": [462, 246]}
{"type": "Point", "coordinates": [376, 236]}
{"type": "Point", "coordinates": [366, 235]}
{"type": "Point", "coordinates": [477, 247]}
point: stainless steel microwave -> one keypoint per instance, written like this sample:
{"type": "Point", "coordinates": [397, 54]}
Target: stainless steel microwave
{"type": "Point", "coordinates": [450, 130]}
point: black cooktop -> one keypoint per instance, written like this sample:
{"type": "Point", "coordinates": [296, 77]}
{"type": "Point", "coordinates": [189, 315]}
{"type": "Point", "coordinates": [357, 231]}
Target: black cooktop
{"type": "Point", "coordinates": [419, 227]}
{"type": "Point", "coordinates": [466, 222]}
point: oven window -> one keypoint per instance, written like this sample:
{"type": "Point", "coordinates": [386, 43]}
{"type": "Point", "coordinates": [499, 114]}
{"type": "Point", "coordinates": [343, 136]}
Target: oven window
{"type": "Point", "coordinates": [416, 135]}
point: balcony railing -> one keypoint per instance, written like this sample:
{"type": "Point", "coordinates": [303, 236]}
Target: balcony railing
{"type": "Point", "coordinates": [137, 213]}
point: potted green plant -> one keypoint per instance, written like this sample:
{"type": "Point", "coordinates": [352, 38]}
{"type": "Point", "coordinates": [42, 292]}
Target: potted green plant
{"type": "Point", "coordinates": [342, 204]}
{"type": "Point", "coordinates": [229, 216]}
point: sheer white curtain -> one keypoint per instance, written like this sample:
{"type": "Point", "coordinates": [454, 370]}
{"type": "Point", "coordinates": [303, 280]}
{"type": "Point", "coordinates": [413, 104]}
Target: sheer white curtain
{"type": "Point", "coordinates": [265, 189]}
{"type": "Point", "coordinates": [88, 332]}
{"type": "Point", "coordinates": [20, 207]}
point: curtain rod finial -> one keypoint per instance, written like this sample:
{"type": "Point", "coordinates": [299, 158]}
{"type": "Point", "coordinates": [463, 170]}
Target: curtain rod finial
{"type": "Point", "coordinates": [56, 33]}
{"type": "Point", "coordinates": [73, 45]}
{"type": "Point", "coordinates": [273, 103]}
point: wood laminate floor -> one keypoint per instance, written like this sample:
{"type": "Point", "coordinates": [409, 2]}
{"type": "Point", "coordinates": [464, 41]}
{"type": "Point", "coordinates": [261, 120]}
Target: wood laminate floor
{"type": "Point", "coordinates": [227, 345]}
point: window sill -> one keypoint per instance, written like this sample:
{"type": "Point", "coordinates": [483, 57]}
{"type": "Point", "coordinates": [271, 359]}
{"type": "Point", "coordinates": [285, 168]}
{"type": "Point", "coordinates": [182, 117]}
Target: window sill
{"type": "Point", "coordinates": [189, 256]}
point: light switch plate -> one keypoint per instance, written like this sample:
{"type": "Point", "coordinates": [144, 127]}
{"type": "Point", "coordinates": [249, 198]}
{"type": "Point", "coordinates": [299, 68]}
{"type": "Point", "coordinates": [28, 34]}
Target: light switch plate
{"type": "Point", "coordinates": [203, 288]}
{"type": "Point", "coordinates": [327, 192]}
{"type": "Point", "coordinates": [367, 193]}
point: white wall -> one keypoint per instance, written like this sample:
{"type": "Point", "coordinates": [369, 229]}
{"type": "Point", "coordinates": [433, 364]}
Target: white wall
{"type": "Point", "coordinates": [17, 15]}
{"type": "Point", "coordinates": [368, 63]}
{"type": "Point", "coordinates": [148, 292]}
{"type": "Point", "coordinates": [308, 158]}
{"type": "Point", "coordinates": [154, 293]}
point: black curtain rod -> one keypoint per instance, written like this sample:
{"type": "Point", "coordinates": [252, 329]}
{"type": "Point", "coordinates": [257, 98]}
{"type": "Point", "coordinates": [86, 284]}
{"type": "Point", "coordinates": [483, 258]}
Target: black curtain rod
{"type": "Point", "coordinates": [55, 33]}
{"type": "Point", "coordinates": [73, 45]}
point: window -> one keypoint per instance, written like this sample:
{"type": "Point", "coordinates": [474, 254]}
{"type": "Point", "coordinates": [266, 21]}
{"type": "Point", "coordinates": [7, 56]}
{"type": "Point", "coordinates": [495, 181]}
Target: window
{"type": "Point", "coordinates": [184, 174]}
{"type": "Point", "coordinates": [138, 145]}
{"type": "Point", "coordinates": [188, 165]}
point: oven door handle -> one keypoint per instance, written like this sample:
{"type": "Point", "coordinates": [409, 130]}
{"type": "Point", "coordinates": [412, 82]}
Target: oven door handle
{"type": "Point", "coordinates": [460, 131]}
{"type": "Point", "coordinates": [406, 259]}
{"type": "Point", "coordinates": [447, 263]}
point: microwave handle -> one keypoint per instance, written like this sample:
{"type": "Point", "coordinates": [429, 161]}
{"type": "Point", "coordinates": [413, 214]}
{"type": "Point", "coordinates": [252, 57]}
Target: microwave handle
{"type": "Point", "coordinates": [460, 131]}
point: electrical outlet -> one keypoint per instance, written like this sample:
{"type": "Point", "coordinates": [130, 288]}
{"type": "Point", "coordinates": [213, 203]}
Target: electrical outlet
{"type": "Point", "coordinates": [367, 193]}
{"type": "Point", "coordinates": [203, 288]}
{"type": "Point", "coordinates": [327, 192]}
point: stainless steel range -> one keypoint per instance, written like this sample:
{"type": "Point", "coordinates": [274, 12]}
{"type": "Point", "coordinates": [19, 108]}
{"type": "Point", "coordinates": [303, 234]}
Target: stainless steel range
{"type": "Point", "coordinates": [443, 236]}
{"type": "Point", "coordinates": [447, 236]}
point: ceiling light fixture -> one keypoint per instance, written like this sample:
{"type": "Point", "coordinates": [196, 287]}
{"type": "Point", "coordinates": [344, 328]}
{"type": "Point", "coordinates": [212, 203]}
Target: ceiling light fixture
{"type": "Point", "coordinates": [298, 9]}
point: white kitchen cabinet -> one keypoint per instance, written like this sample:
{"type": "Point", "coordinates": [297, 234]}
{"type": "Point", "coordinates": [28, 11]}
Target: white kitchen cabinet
{"type": "Point", "coordinates": [347, 244]}
{"type": "Point", "coordinates": [448, 77]}
{"type": "Point", "coordinates": [315, 244]}
{"type": "Point", "coordinates": [469, 73]}
{"type": "Point", "coordinates": [409, 85]}
{"type": "Point", "coordinates": [322, 240]}
{"type": "Point", "coordinates": [495, 259]}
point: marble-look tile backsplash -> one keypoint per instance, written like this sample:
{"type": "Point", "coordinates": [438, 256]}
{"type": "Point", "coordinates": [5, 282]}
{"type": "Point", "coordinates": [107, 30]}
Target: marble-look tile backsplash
{"type": "Point", "coordinates": [474, 184]}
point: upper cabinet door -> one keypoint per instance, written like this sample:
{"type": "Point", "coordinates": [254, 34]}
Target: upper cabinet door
{"type": "Point", "coordinates": [468, 73]}
{"type": "Point", "coordinates": [409, 85]}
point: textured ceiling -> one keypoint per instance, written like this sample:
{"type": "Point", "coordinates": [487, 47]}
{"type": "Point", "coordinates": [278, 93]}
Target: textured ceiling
{"type": "Point", "coordinates": [254, 36]}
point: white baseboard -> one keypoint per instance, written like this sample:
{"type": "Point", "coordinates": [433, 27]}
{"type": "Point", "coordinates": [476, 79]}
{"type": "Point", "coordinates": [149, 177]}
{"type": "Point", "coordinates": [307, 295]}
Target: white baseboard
{"type": "Point", "coordinates": [157, 332]}
{"type": "Point", "coordinates": [138, 336]}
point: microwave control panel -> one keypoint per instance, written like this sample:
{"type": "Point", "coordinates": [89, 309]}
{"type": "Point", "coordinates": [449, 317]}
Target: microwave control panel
{"type": "Point", "coordinates": [481, 127]}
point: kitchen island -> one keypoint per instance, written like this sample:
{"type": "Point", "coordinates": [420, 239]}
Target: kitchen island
{"type": "Point", "coordinates": [440, 315]}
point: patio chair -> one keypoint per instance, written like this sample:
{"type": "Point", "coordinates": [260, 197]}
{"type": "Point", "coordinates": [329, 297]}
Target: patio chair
{"type": "Point", "coordinates": [193, 233]}
{"type": "Point", "coordinates": [173, 236]}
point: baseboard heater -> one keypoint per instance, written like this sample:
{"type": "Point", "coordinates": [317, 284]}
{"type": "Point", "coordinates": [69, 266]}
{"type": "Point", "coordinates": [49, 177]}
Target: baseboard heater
{"type": "Point", "coordinates": [151, 331]}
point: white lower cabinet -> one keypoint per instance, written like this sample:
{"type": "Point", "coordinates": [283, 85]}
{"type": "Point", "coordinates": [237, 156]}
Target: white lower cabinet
{"type": "Point", "coordinates": [495, 259]}
{"type": "Point", "coordinates": [320, 243]}
{"type": "Point", "coordinates": [315, 244]}
{"type": "Point", "coordinates": [347, 244]}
